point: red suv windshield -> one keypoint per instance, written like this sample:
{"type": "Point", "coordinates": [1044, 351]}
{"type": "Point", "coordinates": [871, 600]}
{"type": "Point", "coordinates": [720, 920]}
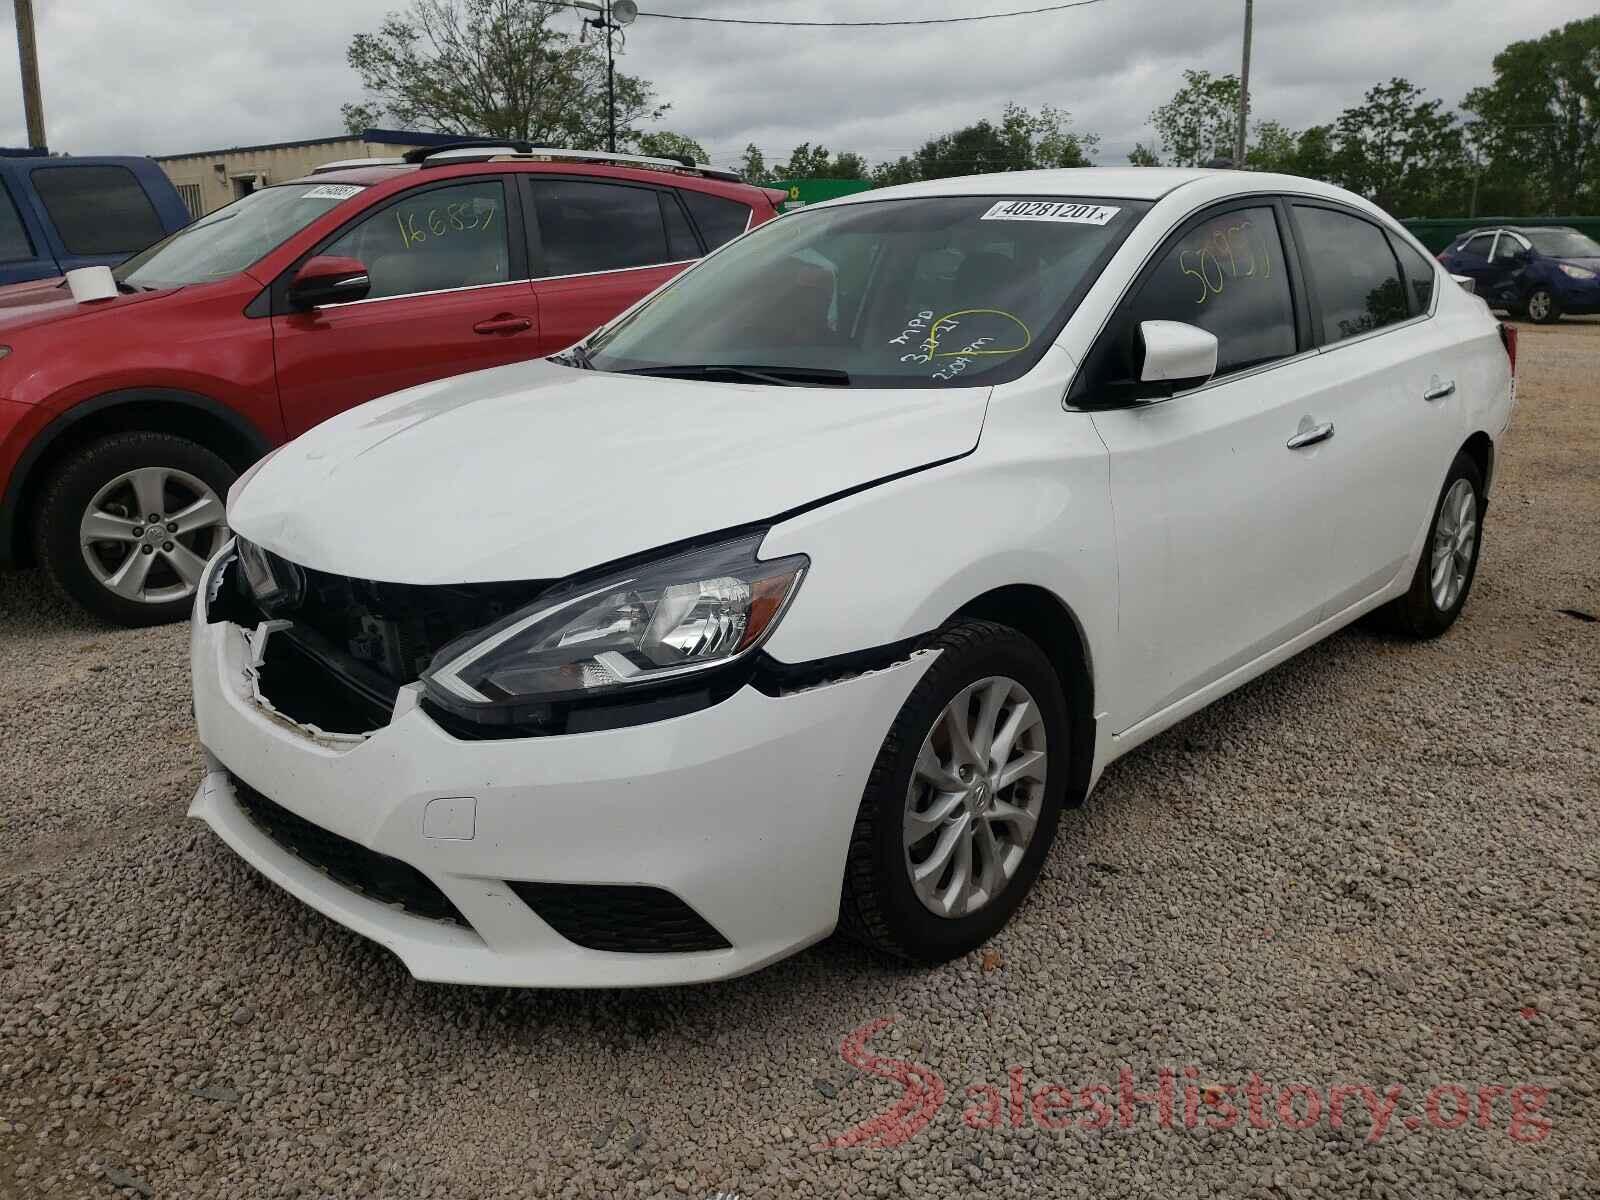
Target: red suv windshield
{"type": "Point", "coordinates": [230, 239]}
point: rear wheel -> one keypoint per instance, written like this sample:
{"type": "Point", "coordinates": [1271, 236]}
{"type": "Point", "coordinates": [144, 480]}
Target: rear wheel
{"type": "Point", "coordinates": [962, 803]}
{"type": "Point", "coordinates": [125, 525]}
{"type": "Point", "coordinates": [1449, 559]}
{"type": "Point", "coordinates": [1542, 306]}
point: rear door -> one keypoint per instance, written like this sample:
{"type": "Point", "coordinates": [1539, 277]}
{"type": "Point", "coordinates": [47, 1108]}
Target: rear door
{"type": "Point", "coordinates": [1383, 378]}
{"type": "Point", "coordinates": [1221, 527]}
{"type": "Point", "coordinates": [597, 246]}
{"type": "Point", "coordinates": [1472, 260]}
{"type": "Point", "coordinates": [450, 294]}
{"type": "Point", "coordinates": [1506, 263]}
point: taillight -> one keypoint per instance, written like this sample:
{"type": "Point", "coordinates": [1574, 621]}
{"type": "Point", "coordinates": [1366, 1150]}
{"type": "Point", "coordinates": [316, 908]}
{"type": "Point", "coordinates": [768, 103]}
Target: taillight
{"type": "Point", "coordinates": [1441, 255]}
{"type": "Point", "coordinates": [1508, 338]}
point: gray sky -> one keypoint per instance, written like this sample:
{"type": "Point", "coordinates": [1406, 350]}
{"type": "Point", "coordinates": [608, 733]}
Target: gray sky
{"type": "Point", "coordinates": [164, 76]}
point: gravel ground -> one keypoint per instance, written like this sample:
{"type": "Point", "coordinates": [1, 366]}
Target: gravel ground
{"type": "Point", "coordinates": [1378, 865]}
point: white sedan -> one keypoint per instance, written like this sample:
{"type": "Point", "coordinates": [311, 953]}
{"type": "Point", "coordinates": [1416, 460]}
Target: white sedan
{"type": "Point", "coordinates": [809, 591]}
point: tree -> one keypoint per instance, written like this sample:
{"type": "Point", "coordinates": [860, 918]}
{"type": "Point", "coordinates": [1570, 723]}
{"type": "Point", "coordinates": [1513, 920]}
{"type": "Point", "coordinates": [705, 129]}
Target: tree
{"type": "Point", "coordinates": [1538, 123]}
{"type": "Point", "coordinates": [1022, 141]}
{"type": "Point", "coordinates": [1199, 122]}
{"type": "Point", "coordinates": [495, 68]}
{"type": "Point", "coordinates": [753, 166]}
{"type": "Point", "coordinates": [672, 145]}
{"type": "Point", "coordinates": [901, 170]}
{"type": "Point", "coordinates": [817, 163]}
{"type": "Point", "coordinates": [1273, 148]}
{"type": "Point", "coordinates": [1402, 152]}
{"type": "Point", "coordinates": [1143, 156]}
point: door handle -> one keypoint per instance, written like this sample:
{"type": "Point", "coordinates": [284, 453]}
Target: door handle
{"type": "Point", "coordinates": [1438, 391]}
{"type": "Point", "coordinates": [1310, 435]}
{"type": "Point", "coordinates": [504, 323]}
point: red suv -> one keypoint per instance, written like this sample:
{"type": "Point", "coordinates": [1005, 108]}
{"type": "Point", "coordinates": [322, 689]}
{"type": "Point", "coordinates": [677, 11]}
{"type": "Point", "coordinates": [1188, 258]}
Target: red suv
{"type": "Point", "coordinates": [124, 420]}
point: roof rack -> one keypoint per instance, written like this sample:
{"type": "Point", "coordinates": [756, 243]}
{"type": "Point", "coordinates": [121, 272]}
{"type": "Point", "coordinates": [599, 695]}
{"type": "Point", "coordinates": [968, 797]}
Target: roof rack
{"type": "Point", "coordinates": [488, 150]}
{"type": "Point", "coordinates": [346, 164]}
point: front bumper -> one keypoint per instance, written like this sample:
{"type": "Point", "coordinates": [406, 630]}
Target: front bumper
{"type": "Point", "coordinates": [743, 811]}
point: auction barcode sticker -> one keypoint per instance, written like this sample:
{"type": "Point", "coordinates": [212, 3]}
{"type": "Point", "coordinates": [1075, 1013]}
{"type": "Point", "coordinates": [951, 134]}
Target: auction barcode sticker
{"type": "Point", "coordinates": [332, 191]}
{"type": "Point", "coordinates": [1051, 210]}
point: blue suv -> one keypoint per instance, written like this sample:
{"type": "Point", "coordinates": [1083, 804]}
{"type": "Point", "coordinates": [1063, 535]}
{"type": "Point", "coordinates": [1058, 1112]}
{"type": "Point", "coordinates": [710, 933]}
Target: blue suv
{"type": "Point", "coordinates": [1540, 272]}
{"type": "Point", "coordinates": [60, 213]}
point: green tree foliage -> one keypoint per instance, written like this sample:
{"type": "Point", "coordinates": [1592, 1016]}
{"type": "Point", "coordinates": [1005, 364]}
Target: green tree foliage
{"type": "Point", "coordinates": [902, 170]}
{"type": "Point", "coordinates": [817, 163]}
{"type": "Point", "coordinates": [1199, 122]}
{"type": "Point", "coordinates": [753, 166]}
{"type": "Point", "coordinates": [1402, 152]}
{"type": "Point", "coordinates": [672, 145]}
{"type": "Point", "coordinates": [498, 68]}
{"type": "Point", "coordinates": [1143, 156]}
{"type": "Point", "coordinates": [1022, 141]}
{"type": "Point", "coordinates": [1273, 147]}
{"type": "Point", "coordinates": [1537, 126]}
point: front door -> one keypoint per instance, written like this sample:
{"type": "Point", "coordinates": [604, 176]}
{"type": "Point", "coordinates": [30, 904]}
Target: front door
{"type": "Point", "coordinates": [449, 295]}
{"type": "Point", "coordinates": [597, 248]}
{"type": "Point", "coordinates": [1221, 526]}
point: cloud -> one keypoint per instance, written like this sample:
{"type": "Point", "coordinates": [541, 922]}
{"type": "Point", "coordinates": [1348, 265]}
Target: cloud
{"type": "Point", "coordinates": [165, 76]}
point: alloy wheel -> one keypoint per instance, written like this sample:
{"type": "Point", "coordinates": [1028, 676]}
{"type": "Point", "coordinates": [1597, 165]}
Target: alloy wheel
{"type": "Point", "coordinates": [146, 535]}
{"type": "Point", "coordinates": [975, 797]}
{"type": "Point", "coordinates": [1454, 543]}
{"type": "Point", "coordinates": [1539, 305]}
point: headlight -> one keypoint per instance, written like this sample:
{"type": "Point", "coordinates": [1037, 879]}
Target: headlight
{"type": "Point", "coordinates": [1576, 272]}
{"type": "Point", "coordinates": [662, 621]}
{"type": "Point", "coordinates": [276, 585]}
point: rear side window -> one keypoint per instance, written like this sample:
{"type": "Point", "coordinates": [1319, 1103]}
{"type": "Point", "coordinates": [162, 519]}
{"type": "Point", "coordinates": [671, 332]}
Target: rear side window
{"type": "Point", "coordinates": [1354, 276]}
{"type": "Point", "coordinates": [433, 240]}
{"type": "Point", "coordinates": [1225, 275]}
{"type": "Point", "coordinates": [14, 241]}
{"type": "Point", "coordinates": [98, 210]}
{"type": "Point", "coordinates": [1419, 274]}
{"type": "Point", "coordinates": [720, 219]}
{"type": "Point", "coordinates": [589, 227]}
{"type": "Point", "coordinates": [1480, 245]}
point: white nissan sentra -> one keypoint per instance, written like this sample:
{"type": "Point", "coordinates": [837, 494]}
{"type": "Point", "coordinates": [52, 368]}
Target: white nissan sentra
{"type": "Point", "coordinates": [809, 591]}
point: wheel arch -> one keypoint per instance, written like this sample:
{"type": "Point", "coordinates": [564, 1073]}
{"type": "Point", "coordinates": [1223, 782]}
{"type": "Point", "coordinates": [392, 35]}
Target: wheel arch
{"type": "Point", "coordinates": [130, 410]}
{"type": "Point", "coordinates": [1480, 449]}
{"type": "Point", "coordinates": [1041, 615]}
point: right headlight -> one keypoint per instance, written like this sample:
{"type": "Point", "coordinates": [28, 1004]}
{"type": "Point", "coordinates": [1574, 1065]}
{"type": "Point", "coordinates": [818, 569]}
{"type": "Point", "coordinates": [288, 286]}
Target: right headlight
{"type": "Point", "coordinates": [630, 629]}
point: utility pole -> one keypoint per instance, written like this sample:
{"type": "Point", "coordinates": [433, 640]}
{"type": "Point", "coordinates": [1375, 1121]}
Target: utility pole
{"type": "Point", "coordinates": [28, 52]}
{"type": "Point", "coordinates": [611, 78]}
{"type": "Point", "coordinates": [1244, 88]}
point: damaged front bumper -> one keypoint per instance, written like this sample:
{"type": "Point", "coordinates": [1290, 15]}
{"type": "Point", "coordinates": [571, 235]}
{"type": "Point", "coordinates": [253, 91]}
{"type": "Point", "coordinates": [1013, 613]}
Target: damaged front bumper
{"type": "Point", "coordinates": [564, 860]}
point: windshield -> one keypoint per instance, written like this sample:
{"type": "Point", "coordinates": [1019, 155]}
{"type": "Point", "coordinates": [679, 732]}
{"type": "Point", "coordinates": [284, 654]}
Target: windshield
{"type": "Point", "coordinates": [1562, 243]}
{"type": "Point", "coordinates": [949, 291]}
{"type": "Point", "coordinates": [230, 239]}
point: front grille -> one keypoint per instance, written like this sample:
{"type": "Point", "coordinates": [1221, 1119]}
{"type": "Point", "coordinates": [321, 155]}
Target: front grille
{"type": "Point", "coordinates": [619, 917]}
{"type": "Point", "coordinates": [376, 876]}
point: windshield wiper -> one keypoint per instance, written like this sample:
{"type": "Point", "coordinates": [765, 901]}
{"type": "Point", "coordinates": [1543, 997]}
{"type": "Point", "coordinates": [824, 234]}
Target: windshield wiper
{"type": "Point", "coordinates": [578, 357]}
{"type": "Point", "coordinates": [782, 376]}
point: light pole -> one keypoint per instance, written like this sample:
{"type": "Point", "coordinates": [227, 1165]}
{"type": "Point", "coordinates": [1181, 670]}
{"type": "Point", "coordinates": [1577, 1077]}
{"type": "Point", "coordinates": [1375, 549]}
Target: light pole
{"type": "Point", "coordinates": [613, 15]}
{"type": "Point", "coordinates": [1244, 88]}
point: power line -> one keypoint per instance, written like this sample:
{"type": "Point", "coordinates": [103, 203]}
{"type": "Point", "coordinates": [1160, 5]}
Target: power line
{"type": "Point", "coordinates": [1021, 12]}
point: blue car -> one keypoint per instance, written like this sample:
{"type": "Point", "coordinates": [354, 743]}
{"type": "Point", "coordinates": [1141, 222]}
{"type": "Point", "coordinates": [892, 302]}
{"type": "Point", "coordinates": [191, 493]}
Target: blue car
{"type": "Point", "coordinates": [60, 213]}
{"type": "Point", "coordinates": [1541, 273]}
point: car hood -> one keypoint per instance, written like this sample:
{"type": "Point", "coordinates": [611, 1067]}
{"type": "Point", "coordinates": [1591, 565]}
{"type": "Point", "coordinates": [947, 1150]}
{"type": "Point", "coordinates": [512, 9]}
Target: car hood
{"type": "Point", "coordinates": [40, 300]}
{"type": "Point", "coordinates": [537, 471]}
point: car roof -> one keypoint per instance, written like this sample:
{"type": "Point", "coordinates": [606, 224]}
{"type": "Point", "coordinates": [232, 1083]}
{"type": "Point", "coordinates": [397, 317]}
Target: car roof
{"type": "Point", "coordinates": [386, 172]}
{"type": "Point", "coordinates": [1127, 183]}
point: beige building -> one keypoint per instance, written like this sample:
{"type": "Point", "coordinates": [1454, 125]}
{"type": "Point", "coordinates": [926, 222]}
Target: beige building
{"type": "Point", "coordinates": [208, 179]}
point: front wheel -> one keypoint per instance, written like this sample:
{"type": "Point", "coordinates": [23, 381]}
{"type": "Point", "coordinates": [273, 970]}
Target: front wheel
{"type": "Point", "coordinates": [1542, 306]}
{"type": "Point", "coordinates": [962, 804]}
{"type": "Point", "coordinates": [1449, 558]}
{"type": "Point", "coordinates": [125, 525]}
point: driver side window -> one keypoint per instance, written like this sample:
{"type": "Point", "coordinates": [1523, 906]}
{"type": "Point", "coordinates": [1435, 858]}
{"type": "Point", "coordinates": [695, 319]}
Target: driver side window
{"type": "Point", "coordinates": [1225, 275]}
{"type": "Point", "coordinates": [433, 240]}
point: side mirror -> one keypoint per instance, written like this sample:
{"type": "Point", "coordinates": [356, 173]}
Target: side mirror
{"type": "Point", "coordinates": [1176, 356]}
{"type": "Point", "coordinates": [329, 279]}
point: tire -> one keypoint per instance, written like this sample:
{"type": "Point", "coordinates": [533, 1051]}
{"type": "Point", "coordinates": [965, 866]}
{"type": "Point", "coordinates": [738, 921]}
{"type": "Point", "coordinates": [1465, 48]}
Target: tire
{"type": "Point", "coordinates": [100, 478]}
{"type": "Point", "coordinates": [880, 907]}
{"type": "Point", "coordinates": [1541, 306]}
{"type": "Point", "coordinates": [1419, 613]}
